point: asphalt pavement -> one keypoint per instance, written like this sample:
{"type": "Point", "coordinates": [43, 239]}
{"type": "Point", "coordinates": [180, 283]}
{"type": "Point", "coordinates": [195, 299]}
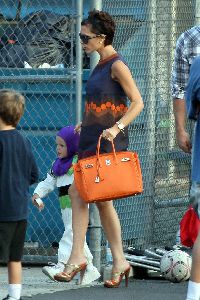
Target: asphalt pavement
{"type": "Point", "coordinates": [137, 290]}
{"type": "Point", "coordinates": [37, 286]}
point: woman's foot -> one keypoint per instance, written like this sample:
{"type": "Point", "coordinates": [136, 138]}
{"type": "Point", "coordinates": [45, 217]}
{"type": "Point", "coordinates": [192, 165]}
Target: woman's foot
{"type": "Point", "coordinates": [70, 271]}
{"type": "Point", "coordinates": [120, 266]}
{"type": "Point", "coordinates": [117, 276]}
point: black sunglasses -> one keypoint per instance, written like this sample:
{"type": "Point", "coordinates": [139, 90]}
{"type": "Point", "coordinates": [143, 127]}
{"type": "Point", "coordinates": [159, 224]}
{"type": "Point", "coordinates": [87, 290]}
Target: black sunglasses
{"type": "Point", "coordinates": [85, 38]}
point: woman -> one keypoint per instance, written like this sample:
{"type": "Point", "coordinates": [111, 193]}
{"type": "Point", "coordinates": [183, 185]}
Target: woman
{"type": "Point", "coordinates": [106, 113]}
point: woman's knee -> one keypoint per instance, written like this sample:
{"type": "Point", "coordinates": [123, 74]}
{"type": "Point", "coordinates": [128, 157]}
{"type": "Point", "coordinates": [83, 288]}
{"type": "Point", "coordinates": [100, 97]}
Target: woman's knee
{"type": "Point", "coordinates": [75, 196]}
{"type": "Point", "coordinates": [73, 193]}
{"type": "Point", "coordinates": [104, 205]}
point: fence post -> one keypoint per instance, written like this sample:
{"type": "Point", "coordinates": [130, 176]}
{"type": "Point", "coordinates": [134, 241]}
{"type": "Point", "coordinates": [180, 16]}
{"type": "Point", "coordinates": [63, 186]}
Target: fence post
{"type": "Point", "coordinates": [95, 223]}
{"type": "Point", "coordinates": [150, 121]}
{"type": "Point", "coordinates": [197, 12]}
{"type": "Point", "coordinates": [94, 58]}
{"type": "Point", "coordinates": [79, 61]}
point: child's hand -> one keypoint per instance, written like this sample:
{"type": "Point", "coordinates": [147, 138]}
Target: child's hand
{"type": "Point", "coordinates": [38, 202]}
{"type": "Point", "coordinates": [78, 128]}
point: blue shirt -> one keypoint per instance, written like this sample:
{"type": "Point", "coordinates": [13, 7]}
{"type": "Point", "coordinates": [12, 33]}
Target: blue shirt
{"type": "Point", "coordinates": [192, 97]}
{"type": "Point", "coordinates": [18, 170]}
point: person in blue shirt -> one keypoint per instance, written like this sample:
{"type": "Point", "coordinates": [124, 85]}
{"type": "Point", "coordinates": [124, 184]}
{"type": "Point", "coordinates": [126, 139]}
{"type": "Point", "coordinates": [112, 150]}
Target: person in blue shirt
{"type": "Point", "coordinates": [18, 170]}
{"type": "Point", "coordinates": [187, 48]}
{"type": "Point", "coordinates": [192, 97]}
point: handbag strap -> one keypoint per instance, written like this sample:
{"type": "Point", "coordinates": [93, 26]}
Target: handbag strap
{"type": "Point", "coordinates": [99, 145]}
{"type": "Point", "coordinates": [99, 177]}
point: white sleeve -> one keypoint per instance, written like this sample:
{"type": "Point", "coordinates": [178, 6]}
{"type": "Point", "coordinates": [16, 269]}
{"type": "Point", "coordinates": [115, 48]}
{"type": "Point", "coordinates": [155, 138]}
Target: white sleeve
{"type": "Point", "coordinates": [46, 186]}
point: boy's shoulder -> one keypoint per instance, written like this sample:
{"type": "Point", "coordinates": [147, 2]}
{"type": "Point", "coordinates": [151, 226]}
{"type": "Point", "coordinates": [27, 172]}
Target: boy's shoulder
{"type": "Point", "coordinates": [14, 137]}
{"type": "Point", "coordinates": [12, 132]}
{"type": "Point", "coordinates": [8, 132]}
{"type": "Point", "coordinates": [8, 135]}
{"type": "Point", "coordinates": [70, 172]}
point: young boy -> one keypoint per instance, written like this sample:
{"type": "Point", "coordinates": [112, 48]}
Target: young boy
{"type": "Point", "coordinates": [18, 170]}
{"type": "Point", "coordinates": [61, 177]}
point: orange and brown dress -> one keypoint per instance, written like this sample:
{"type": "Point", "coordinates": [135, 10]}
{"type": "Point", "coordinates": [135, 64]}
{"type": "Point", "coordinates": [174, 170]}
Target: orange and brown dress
{"type": "Point", "coordinates": [106, 103]}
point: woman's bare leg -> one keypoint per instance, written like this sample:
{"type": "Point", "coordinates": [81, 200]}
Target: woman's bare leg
{"type": "Point", "coordinates": [110, 223]}
{"type": "Point", "coordinates": [79, 226]}
{"type": "Point", "coordinates": [112, 228]}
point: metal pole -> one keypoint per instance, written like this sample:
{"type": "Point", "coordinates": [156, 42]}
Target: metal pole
{"type": "Point", "coordinates": [95, 4]}
{"type": "Point", "coordinates": [79, 62]}
{"type": "Point", "coordinates": [150, 107]}
{"type": "Point", "coordinates": [197, 12]}
{"type": "Point", "coordinates": [95, 223]}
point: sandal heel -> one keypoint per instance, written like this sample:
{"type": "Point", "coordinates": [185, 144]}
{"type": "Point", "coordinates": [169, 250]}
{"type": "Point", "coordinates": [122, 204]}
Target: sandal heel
{"type": "Point", "coordinates": [82, 272]}
{"type": "Point", "coordinates": [127, 277]}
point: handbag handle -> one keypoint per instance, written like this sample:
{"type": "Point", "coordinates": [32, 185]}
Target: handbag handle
{"type": "Point", "coordinates": [98, 148]}
{"type": "Point", "coordinates": [99, 177]}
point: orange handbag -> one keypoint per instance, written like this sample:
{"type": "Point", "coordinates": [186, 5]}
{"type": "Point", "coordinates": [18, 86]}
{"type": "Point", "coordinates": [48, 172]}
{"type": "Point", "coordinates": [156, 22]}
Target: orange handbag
{"type": "Point", "coordinates": [108, 176]}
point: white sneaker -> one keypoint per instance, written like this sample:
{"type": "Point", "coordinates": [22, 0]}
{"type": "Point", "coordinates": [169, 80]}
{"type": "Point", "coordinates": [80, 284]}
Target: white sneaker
{"type": "Point", "coordinates": [91, 274]}
{"type": "Point", "coordinates": [53, 269]}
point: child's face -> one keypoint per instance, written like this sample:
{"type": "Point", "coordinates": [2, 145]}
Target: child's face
{"type": "Point", "coordinates": [61, 147]}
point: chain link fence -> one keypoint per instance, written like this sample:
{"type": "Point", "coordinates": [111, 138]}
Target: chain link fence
{"type": "Point", "coordinates": [146, 37]}
{"type": "Point", "coordinates": [37, 49]}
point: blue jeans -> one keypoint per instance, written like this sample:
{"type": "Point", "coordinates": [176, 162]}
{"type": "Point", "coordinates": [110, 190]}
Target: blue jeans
{"type": "Point", "coordinates": [195, 196]}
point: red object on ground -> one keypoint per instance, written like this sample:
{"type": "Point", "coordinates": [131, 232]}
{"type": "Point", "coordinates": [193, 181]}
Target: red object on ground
{"type": "Point", "coordinates": [189, 227]}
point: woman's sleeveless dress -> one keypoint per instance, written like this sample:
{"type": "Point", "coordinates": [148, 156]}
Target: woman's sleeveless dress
{"type": "Point", "coordinates": [106, 103]}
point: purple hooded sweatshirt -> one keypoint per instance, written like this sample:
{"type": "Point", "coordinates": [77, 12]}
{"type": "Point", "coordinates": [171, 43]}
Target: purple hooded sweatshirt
{"type": "Point", "coordinates": [61, 166]}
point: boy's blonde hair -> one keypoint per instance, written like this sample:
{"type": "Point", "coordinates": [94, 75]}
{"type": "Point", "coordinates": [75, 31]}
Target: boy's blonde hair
{"type": "Point", "coordinates": [12, 105]}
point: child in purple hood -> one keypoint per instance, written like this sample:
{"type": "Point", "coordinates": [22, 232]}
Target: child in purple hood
{"type": "Point", "coordinates": [61, 176]}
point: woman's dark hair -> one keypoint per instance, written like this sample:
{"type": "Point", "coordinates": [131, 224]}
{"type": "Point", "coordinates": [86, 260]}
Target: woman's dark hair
{"type": "Point", "coordinates": [101, 23]}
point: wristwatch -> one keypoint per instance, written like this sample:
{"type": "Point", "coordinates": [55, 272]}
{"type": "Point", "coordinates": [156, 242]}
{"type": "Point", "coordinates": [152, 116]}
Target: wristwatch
{"type": "Point", "coordinates": [121, 126]}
